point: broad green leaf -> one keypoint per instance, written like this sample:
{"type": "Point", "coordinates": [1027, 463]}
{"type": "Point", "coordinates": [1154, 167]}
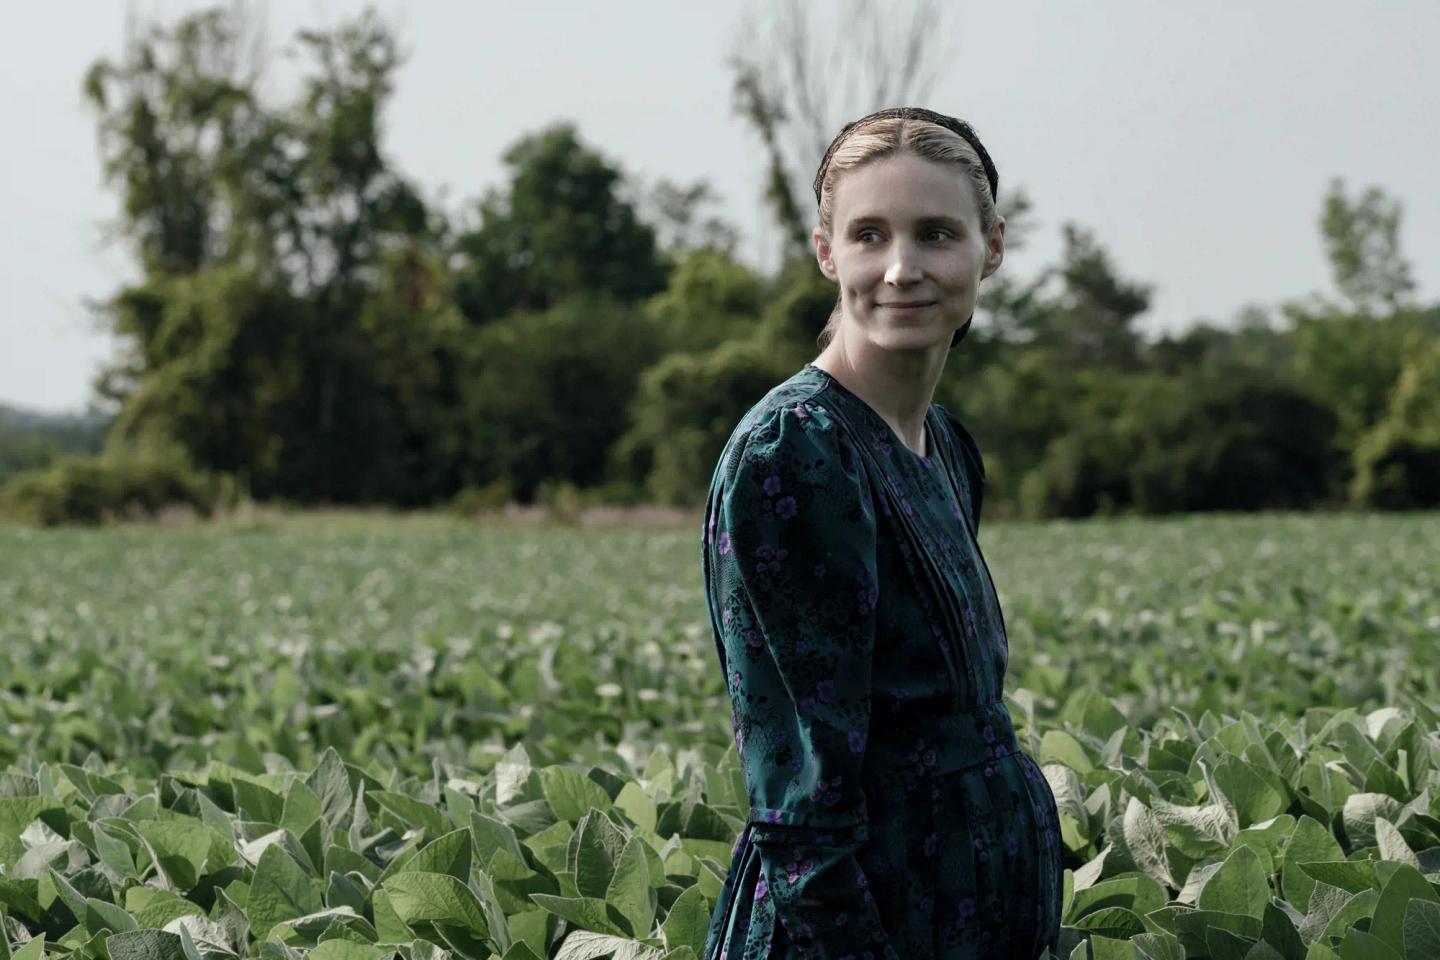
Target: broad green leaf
{"type": "Point", "coordinates": [598, 845]}
{"type": "Point", "coordinates": [587, 913]}
{"type": "Point", "coordinates": [571, 794]}
{"type": "Point", "coordinates": [412, 812]}
{"type": "Point", "coordinates": [1117, 922]}
{"type": "Point", "coordinates": [1239, 886]}
{"type": "Point", "coordinates": [1196, 831]}
{"type": "Point", "coordinates": [688, 921]}
{"type": "Point", "coordinates": [182, 847]}
{"type": "Point", "coordinates": [1359, 945]}
{"type": "Point", "coordinates": [331, 785]}
{"type": "Point", "coordinates": [630, 891]}
{"type": "Point", "coordinates": [34, 950]}
{"type": "Point", "coordinates": [586, 945]}
{"type": "Point", "coordinates": [1255, 794]}
{"type": "Point", "coordinates": [388, 925]}
{"type": "Point", "coordinates": [345, 950]}
{"type": "Point", "coordinates": [1352, 875]}
{"type": "Point", "coordinates": [1392, 845]}
{"type": "Point", "coordinates": [302, 808]}
{"type": "Point", "coordinates": [1278, 931]}
{"type": "Point", "coordinates": [100, 915]}
{"type": "Point", "coordinates": [1057, 746]}
{"type": "Point", "coordinates": [436, 897]}
{"type": "Point", "coordinates": [145, 945]}
{"type": "Point", "coordinates": [1311, 842]}
{"type": "Point", "coordinates": [637, 805]}
{"type": "Point", "coordinates": [1360, 812]}
{"type": "Point", "coordinates": [1404, 886]}
{"type": "Point", "coordinates": [449, 854]}
{"type": "Point", "coordinates": [279, 891]}
{"type": "Point", "coordinates": [1359, 907]}
{"type": "Point", "coordinates": [1422, 929]}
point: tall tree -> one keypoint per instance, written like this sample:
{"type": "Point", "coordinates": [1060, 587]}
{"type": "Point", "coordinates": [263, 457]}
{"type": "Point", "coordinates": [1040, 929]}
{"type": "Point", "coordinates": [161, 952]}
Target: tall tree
{"type": "Point", "coordinates": [1362, 242]}
{"type": "Point", "coordinates": [270, 237]}
{"type": "Point", "coordinates": [561, 228]}
{"type": "Point", "coordinates": [806, 70]}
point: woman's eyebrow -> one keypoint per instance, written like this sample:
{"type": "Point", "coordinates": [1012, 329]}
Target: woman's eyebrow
{"type": "Point", "coordinates": [924, 221]}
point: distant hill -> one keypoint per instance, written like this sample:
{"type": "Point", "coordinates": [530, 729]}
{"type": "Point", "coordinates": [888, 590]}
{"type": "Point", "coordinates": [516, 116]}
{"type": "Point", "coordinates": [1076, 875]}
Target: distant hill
{"type": "Point", "coordinates": [39, 420]}
{"type": "Point", "coordinates": [32, 438]}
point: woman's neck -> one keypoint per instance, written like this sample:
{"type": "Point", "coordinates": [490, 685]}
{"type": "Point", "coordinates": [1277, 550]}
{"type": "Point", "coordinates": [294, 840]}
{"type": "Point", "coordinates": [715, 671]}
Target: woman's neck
{"type": "Point", "coordinates": [898, 387]}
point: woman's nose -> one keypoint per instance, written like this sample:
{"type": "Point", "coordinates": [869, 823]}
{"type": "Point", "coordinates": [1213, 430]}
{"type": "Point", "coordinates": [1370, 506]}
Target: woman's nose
{"type": "Point", "coordinates": [903, 267]}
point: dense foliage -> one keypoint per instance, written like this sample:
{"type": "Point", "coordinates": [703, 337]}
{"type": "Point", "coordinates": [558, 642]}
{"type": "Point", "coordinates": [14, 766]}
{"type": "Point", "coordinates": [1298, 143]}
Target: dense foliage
{"type": "Point", "coordinates": [430, 737]}
{"type": "Point", "coordinates": [311, 325]}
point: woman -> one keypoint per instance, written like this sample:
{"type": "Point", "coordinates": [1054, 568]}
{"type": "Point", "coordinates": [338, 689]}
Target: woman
{"type": "Point", "coordinates": [892, 812]}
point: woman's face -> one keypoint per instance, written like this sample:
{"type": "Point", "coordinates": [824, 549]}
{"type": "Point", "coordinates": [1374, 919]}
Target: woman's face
{"type": "Point", "coordinates": [907, 231]}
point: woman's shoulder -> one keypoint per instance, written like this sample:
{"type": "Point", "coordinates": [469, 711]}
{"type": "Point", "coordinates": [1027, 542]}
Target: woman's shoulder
{"type": "Point", "coordinates": [794, 424]}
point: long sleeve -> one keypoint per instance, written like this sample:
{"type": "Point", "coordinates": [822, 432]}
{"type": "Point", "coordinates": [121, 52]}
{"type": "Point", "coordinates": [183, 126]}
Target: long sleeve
{"type": "Point", "coordinates": [792, 555]}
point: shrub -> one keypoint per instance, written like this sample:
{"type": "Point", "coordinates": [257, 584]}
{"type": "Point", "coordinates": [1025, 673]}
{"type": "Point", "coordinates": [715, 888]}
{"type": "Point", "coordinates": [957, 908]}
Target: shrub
{"type": "Point", "coordinates": [1397, 462]}
{"type": "Point", "coordinates": [122, 483]}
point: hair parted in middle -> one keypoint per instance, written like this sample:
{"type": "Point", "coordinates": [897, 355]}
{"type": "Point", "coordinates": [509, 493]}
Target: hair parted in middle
{"type": "Point", "coordinates": [880, 136]}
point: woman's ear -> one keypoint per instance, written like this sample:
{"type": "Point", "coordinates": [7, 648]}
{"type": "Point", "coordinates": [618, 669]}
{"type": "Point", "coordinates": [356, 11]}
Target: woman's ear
{"type": "Point", "coordinates": [823, 253]}
{"type": "Point", "coordinates": [994, 248]}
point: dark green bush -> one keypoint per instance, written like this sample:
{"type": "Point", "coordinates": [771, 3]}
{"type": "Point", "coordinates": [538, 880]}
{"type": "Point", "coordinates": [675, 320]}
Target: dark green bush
{"type": "Point", "coordinates": [119, 484]}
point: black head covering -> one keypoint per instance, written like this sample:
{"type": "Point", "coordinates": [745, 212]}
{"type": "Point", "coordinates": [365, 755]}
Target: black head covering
{"type": "Point", "coordinates": [918, 113]}
{"type": "Point", "coordinates": [914, 113]}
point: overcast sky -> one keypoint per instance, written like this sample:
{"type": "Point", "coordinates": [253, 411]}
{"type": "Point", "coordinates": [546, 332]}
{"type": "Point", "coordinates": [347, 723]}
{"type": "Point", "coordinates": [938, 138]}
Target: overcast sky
{"type": "Point", "coordinates": [1195, 139]}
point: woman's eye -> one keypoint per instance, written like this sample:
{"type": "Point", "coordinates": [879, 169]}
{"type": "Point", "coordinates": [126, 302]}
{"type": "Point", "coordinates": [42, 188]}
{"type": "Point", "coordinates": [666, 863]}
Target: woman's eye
{"type": "Point", "coordinates": [941, 234]}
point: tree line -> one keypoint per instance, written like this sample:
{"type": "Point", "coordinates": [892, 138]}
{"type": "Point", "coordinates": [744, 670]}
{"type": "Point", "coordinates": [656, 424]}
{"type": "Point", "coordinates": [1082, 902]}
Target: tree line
{"type": "Point", "coordinates": [308, 327]}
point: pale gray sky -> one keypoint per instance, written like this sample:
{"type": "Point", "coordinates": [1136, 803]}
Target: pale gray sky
{"type": "Point", "coordinates": [1195, 139]}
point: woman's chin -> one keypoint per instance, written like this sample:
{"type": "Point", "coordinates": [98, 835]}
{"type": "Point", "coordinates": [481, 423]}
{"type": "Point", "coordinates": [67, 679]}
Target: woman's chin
{"type": "Point", "coordinates": [911, 338]}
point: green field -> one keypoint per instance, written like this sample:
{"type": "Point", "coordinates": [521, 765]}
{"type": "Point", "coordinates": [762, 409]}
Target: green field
{"type": "Point", "coordinates": [1232, 711]}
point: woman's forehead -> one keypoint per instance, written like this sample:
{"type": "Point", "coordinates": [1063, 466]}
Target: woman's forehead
{"type": "Point", "coordinates": [893, 190]}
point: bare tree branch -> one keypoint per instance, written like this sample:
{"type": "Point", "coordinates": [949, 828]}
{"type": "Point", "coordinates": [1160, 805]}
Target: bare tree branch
{"type": "Point", "coordinates": [800, 76]}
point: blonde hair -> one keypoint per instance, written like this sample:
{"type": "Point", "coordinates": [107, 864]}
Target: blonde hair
{"type": "Point", "coordinates": [890, 137]}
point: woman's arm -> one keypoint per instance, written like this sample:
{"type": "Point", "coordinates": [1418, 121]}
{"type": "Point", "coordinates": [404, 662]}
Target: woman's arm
{"type": "Point", "coordinates": [793, 564]}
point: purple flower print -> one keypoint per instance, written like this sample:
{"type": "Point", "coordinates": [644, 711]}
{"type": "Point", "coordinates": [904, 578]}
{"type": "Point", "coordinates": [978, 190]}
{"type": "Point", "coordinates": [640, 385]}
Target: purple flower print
{"type": "Point", "coordinates": [840, 919]}
{"type": "Point", "coordinates": [761, 889]}
{"type": "Point", "coordinates": [800, 412]}
{"type": "Point", "coordinates": [807, 705]}
{"type": "Point", "coordinates": [964, 913]}
{"type": "Point", "coordinates": [982, 849]}
{"type": "Point", "coordinates": [1012, 847]}
{"type": "Point", "coordinates": [752, 638]}
{"type": "Point", "coordinates": [988, 733]}
{"type": "Point", "coordinates": [772, 485]}
{"type": "Point", "coordinates": [932, 845]}
{"type": "Point", "coordinates": [786, 507]}
{"type": "Point", "coordinates": [740, 739]}
{"type": "Point", "coordinates": [796, 764]}
{"type": "Point", "coordinates": [735, 679]}
{"type": "Point", "coordinates": [857, 741]}
{"type": "Point", "coordinates": [727, 616]}
{"type": "Point", "coordinates": [724, 543]}
{"type": "Point", "coordinates": [825, 690]}
{"type": "Point", "coordinates": [819, 569]}
{"type": "Point", "coordinates": [773, 816]}
{"type": "Point", "coordinates": [769, 558]}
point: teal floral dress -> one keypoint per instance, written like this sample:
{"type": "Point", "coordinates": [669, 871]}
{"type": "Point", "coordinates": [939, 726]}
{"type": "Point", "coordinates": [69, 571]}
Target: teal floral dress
{"type": "Point", "coordinates": [892, 812]}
